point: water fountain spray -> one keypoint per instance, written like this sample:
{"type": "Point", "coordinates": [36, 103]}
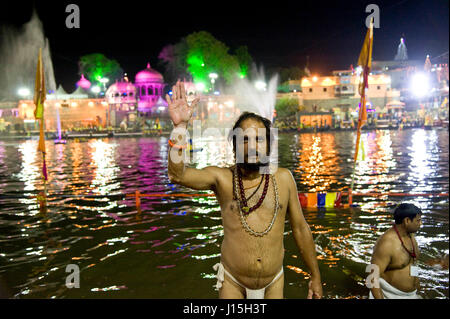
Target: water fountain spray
{"type": "Point", "coordinates": [19, 49]}
{"type": "Point", "coordinates": [255, 94]}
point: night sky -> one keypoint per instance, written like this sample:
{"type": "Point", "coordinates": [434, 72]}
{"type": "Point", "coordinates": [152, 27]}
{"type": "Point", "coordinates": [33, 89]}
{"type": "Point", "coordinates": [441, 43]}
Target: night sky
{"type": "Point", "coordinates": [277, 33]}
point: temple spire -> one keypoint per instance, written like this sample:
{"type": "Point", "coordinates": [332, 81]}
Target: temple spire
{"type": "Point", "coordinates": [427, 66]}
{"type": "Point", "coordinates": [402, 52]}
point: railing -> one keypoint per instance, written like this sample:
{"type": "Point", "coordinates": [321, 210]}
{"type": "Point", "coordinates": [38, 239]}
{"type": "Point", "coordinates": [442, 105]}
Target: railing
{"type": "Point", "coordinates": [307, 200]}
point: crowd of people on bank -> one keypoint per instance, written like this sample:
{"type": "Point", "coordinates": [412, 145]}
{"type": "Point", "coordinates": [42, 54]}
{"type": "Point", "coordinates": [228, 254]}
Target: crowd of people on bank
{"type": "Point", "coordinates": [291, 124]}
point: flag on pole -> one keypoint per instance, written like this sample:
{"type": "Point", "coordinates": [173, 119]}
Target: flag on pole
{"type": "Point", "coordinates": [365, 61]}
{"type": "Point", "coordinates": [361, 151]}
{"type": "Point", "coordinates": [39, 99]}
{"type": "Point", "coordinates": [39, 89]}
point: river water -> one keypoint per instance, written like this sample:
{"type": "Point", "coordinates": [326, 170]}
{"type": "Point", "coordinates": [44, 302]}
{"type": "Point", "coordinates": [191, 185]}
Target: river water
{"type": "Point", "coordinates": [168, 249]}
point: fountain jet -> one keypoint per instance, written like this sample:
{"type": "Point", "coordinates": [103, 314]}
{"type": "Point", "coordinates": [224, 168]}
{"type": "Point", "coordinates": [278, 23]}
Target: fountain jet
{"type": "Point", "coordinates": [19, 49]}
{"type": "Point", "coordinates": [256, 95]}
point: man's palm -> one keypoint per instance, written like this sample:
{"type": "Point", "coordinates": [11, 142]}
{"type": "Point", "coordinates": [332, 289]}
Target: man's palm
{"type": "Point", "coordinates": [179, 109]}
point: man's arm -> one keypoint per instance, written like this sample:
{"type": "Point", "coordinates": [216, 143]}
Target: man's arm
{"type": "Point", "coordinates": [303, 237]}
{"type": "Point", "coordinates": [180, 113]}
{"type": "Point", "coordinates": [200, 179]}
{"type": "Point", "coordinates": [382, 258]}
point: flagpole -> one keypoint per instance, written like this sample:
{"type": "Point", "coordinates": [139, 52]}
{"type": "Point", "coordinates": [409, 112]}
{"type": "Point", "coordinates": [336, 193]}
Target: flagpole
{"type": "Point", "coordinates": [39, 99]}
{"type": "Point", "coordinates": [365, 60]}
{"type": "Point", "coordinates": [358, 138]}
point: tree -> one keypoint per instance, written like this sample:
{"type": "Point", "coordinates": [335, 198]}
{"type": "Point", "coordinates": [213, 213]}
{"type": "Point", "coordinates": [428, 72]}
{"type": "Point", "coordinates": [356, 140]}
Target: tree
{"type": "Point", "coordinates": [96, 66]}
{"type": "Point", "coordinates": [173, 58]}
{"type": "Point", "coordinates": [199, 54]}
{"type": "Point", "coordinates": [292, 73]}
{"type": "Point", "coordinates": [244, 59]}
{"type": "Point", "coordinates": [206, 55]}
{"type": "Point", "coordinates": [286, 106]}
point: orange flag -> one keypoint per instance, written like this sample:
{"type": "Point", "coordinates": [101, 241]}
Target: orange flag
{"type": "Point", "coordinates": [39, 99]}
{"type": "Point", "coordinates": [39, 88]}
{"type": "Point", "coordinates": [365, 61]}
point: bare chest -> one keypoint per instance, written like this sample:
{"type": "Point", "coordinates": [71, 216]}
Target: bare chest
{"type": "Point", "coordinates": [401, 258]}
{"type": "Point", "coordinates": [270, 213]}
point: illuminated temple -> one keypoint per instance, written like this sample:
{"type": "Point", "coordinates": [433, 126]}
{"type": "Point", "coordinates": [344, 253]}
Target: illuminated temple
{"type": "Point", "coordinates": [123, 102]}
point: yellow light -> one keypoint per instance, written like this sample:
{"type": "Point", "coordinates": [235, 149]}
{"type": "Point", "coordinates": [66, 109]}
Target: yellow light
{"type": "Point", "coordinates": [73, 104]}
{"type": "Point", "coordinates": [24, 104]}
{"type": "Point", "coordinates": [328, 82]}
{"type": "Point", "coordinates": [306, 83]}
{"type": "Point", "coordinates": [91, 104]}
{"type": "Point", "coordinates": [314, 79]}
{"type": "Point", "coordinates": [104, 103]}
{"type": "Point", "coordinates": [58, 104]}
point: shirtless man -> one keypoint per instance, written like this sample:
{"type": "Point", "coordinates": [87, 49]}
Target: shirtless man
{"type": "Point", "coordinates": [252, 252]}
{"type": "Point", "coordinates": [395, 254]}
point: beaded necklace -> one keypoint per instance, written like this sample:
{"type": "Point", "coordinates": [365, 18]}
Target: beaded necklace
{"type": "Point", "coordinates": [247, 210]}
{"type": "Point", "coordinates": [413, 253]}
{"type": "Point", "coordinates": [257, 188]}
{"type": "Point", "coordinates": [243, 221]}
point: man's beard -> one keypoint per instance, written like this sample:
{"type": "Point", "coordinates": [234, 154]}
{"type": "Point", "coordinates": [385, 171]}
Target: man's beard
{"type": "Point", "coordinates": [252, 167]}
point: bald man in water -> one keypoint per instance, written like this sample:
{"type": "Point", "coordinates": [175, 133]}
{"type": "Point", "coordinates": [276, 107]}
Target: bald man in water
{"type": "Point", "coordinates": [253, 207]}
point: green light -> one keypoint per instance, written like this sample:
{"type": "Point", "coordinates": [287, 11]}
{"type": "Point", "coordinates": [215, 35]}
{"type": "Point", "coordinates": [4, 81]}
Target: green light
{"type": "Point", "coordinates": [196, 66]}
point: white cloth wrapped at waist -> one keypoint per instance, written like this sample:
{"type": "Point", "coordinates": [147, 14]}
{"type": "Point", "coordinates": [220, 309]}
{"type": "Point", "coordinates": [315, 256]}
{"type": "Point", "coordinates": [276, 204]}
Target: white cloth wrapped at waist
{"type": "Point", "coordinates": [250, 293]}
{"type": "Point", "coordinates": [390, 292]}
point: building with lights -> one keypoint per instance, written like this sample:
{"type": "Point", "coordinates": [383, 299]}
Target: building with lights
{"type": "Point", "coordinates": [74, 113]}
{"type": "Point", "coordinates": [127, 101]}
{"type": "Point", "coordinates": [399, 69]}
{"type": "Point", "coordinates": [421, 84]}
{"type": "Point", "coordinates": [122, 103]}
{"type": "Point", "coordinates": [80, 109]}
{"type": "Point", "coordinates": [149, 85]}
{"type": "Point", "coordinates": [339, 93]}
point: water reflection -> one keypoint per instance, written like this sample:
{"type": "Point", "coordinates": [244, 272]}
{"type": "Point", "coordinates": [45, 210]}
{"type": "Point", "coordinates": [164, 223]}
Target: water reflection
{"type": "Point", "coordinates": [105, 168]}
{"type": "Point", "coordinates": [317, 161]}
{"type": "Point", "coordinates": [175, 242]}
{"type": "Point", "coordinates": [78, 177]}
{"type": "Point", "coordinates": [421, 151]}
{"type": "Point", "coordinates": [2, 163]}
{"type": "Point", "coordinates": [30, 171]}
{"type": "Point", "coordinates": [374, 173]}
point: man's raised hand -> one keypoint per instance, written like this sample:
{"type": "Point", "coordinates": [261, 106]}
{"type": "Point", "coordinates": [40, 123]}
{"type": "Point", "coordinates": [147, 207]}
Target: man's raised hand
{"type": "Point", "coordinates": [179, 110]}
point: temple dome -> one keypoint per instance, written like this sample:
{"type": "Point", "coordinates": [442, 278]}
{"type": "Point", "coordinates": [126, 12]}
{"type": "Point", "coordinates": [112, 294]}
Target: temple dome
{"type": "Point", "coordinates": [84, 83]}
{"type": "Point", "coordinates": [149, 75]}
{"type": "Point", "coordinates": [121, 87]}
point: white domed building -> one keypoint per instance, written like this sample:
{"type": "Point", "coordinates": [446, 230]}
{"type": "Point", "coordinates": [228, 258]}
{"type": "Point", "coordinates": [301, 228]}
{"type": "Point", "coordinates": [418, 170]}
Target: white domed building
{"type": "Point", "coordinates": [149, 88]}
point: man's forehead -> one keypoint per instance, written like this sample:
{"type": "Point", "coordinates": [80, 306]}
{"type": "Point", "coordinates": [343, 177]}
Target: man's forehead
{"type": "Point", "coordinates": [251, 123]}
{"type": "Point", "coordinates": [251, 131]}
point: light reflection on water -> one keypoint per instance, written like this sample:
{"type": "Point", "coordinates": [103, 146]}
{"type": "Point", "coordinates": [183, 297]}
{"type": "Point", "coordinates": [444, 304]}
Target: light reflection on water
{"type": "Point", "coordinates": [168, 250]}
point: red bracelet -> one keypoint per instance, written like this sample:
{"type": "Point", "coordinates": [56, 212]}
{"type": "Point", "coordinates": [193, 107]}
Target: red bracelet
{"type": "Point", "coordinates": [176, 146]}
